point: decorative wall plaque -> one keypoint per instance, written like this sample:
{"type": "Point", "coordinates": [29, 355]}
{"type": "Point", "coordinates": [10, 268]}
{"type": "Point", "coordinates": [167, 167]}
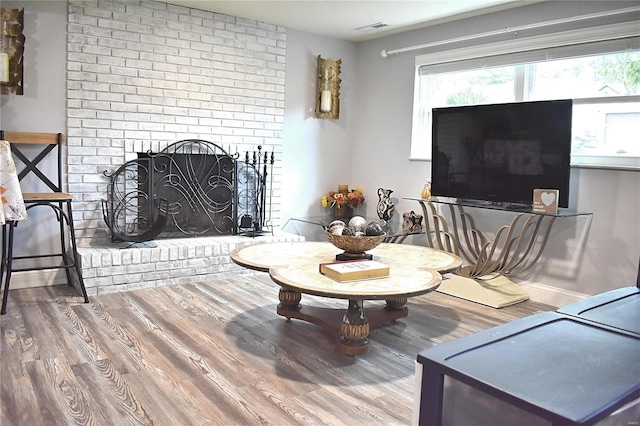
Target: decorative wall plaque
{"type": "Point", "coordinates": [545, 201]}
{"type": "Point", "coordinates": [12, 53]}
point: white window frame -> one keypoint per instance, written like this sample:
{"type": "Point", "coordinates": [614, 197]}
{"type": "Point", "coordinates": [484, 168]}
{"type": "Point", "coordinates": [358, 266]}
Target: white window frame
{"type": "Point", "coordinates": [573, 43]}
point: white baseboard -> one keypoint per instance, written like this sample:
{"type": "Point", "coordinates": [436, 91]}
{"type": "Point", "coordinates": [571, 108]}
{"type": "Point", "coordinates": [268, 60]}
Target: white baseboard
{"type": "Point", "coordinates": [537, 292]}
{"type": "Point", "coordinates": [553, 296]}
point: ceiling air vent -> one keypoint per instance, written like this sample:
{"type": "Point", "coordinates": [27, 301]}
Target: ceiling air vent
{"type": "Point", "coordinates": [372, 27]}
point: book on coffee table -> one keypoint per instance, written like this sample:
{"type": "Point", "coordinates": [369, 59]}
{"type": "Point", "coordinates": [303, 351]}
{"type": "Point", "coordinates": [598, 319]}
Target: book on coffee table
{"type": "Point", "coordinates": [353, 270]}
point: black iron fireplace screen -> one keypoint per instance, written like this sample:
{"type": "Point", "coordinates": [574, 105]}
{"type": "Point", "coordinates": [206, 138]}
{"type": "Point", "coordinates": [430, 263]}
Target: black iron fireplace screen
{"type": "Point", "coordinates": [191, 188]}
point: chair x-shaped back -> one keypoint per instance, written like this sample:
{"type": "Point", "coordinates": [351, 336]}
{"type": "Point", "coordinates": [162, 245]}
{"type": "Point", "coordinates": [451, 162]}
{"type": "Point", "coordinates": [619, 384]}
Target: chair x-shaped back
{"type": "Point", "coordinates": [57, 200]}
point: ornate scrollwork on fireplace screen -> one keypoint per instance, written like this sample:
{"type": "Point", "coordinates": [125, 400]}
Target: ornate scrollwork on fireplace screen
{"type": "Point", "coordinates": [191, 188]}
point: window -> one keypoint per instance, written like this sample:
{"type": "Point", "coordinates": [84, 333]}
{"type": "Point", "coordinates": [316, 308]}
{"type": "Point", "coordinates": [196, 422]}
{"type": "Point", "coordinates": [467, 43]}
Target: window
{"type": "Point", "coordinates": [602, 78]}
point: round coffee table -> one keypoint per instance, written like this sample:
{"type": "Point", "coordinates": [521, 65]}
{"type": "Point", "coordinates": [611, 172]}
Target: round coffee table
{"type": "Point", "coordinates": [414, 270]}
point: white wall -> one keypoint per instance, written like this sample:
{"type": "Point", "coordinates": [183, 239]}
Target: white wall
{"type": "Point", "coordinates": [609, 257]}
{"type": "Point", "coordinates": [369, 145]}
{"type": "Point", "coordinates": [42, 106]}
{"type": "Point", "coordinates": [317, 153]}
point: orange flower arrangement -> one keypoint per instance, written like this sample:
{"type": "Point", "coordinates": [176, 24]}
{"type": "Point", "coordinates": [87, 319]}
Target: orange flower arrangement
{"type": "Point", "coordinates": [333, 199]}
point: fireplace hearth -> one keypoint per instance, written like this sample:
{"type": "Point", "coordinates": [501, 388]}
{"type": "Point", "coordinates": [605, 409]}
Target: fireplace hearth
{"type": "Point", "coordinates": [192, 188]}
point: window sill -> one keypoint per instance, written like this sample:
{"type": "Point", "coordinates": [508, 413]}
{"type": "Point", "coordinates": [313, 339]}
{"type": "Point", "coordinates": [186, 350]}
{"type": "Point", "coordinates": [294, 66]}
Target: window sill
{"type": "Point", "coordinates": [622, 164]}
{"type": "Point", "coordinates": [606, 162]}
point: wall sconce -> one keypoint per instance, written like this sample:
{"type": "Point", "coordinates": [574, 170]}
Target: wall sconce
{"type": "Point", "coordinates": [328, 96]}
{"type": "Point", "coordinates": [11, 55]}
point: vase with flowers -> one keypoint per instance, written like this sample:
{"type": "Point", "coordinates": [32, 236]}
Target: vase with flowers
{"type": "Point", "coordinates": [343, 201]}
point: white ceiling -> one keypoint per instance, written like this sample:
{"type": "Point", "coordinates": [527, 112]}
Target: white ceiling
{"type": "Point", "coordinates": [340, 19]}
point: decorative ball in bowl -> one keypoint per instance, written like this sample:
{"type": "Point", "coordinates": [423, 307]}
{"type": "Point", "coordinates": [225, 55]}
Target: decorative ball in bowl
{"type": "Point", "coordinates": [355, 243]}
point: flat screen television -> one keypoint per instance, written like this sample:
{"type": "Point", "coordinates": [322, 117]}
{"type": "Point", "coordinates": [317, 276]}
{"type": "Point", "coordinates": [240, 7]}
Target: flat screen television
{"type": "Point", "coordinates": [500, 153]}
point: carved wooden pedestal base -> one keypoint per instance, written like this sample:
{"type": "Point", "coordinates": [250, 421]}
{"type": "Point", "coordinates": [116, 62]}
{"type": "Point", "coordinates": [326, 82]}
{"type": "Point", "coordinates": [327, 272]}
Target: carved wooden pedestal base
{"type": "Point", "coordinates": [350, 328]}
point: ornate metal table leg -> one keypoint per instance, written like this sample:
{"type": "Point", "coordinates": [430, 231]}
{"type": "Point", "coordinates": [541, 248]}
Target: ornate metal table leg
{"type": "Point", "coordinates": [354, 330]}
{"type": "Point", "coordinates": [289, 302]}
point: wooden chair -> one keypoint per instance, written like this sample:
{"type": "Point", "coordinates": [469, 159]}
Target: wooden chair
{"type": "Point", "coordinates": [58, 201]}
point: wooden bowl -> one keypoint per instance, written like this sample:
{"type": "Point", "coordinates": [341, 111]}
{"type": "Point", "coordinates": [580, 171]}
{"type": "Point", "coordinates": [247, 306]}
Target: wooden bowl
{"type": "Point", "coordinates": [355, 246]}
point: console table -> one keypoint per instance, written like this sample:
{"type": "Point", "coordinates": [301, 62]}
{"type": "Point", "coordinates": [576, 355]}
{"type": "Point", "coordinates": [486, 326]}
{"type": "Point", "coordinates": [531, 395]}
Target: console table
{"type": "Point", "coordinates": [516, 247]}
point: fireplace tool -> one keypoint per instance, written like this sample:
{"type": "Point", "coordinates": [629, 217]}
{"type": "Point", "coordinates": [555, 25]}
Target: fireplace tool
{"type": "Point", "coordinates": [256, 193]}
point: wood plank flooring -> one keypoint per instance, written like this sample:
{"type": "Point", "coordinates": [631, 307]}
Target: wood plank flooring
{"type": "Point", "coordinates": [212, 353]}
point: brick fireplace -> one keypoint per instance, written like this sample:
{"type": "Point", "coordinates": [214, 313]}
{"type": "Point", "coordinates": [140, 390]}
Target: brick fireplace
{"type": "Point", "coordinates": [142, 75]}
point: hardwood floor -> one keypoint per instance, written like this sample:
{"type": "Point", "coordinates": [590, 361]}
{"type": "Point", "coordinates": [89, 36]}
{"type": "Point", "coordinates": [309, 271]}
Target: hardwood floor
{"type": "Point", "coordinates": [212, 353]}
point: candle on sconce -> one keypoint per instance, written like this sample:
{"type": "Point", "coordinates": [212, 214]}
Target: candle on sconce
{"type": "Point", "coordinates": [4, 67]}
{"type": "Point", "coordinates": [325, 93]}
{"type": "Point", "coordinates": [325, 101]}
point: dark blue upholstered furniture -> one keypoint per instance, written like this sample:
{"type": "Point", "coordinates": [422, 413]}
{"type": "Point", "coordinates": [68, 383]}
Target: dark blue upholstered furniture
{"type": "Point", "coordinates": [618, 308]}
{"type": "Point", "coordinates": [577, 366]}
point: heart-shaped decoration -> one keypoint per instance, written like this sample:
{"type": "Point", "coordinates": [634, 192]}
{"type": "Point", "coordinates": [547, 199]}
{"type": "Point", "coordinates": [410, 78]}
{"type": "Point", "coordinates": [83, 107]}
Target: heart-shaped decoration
{"type": "Point", "coordinates": [548, 198]}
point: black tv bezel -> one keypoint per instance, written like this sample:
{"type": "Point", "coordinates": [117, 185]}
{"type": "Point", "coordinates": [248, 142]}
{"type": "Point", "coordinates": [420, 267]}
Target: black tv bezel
{"type": "Point", "coordinates": [563, 201]}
